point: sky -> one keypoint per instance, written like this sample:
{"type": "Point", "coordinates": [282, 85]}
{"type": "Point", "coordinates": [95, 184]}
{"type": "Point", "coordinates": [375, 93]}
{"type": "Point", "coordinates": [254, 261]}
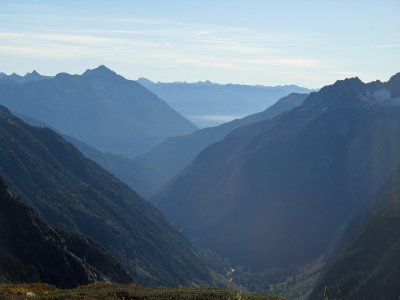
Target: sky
{"type": "Point", "coordinates": [308, 43]}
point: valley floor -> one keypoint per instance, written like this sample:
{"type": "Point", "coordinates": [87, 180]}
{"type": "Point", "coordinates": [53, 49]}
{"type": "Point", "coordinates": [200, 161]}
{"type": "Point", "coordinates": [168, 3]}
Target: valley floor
{"type": "Point", "coordinates": [114, 291]}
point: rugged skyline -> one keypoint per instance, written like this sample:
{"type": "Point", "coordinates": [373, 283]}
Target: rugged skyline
{"type": "Point", "coordinates": [308, 43]}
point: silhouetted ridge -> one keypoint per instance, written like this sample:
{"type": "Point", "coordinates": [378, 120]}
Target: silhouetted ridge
{"type": "Point", "coordinates": [28, 77]}
{"type": "Point", "coordinates": [347, 92]}
{"type": "Point", "coordinates": [395, 78]}
{"type": "Point", "coordinates": [33, 76]}
{"type": "Point", "coordinates": [101, 71]}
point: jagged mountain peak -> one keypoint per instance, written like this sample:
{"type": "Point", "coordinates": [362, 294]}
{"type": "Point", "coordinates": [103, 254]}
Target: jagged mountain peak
{"type": "Point", "coordinates": [32, 76]}
{"type": "Point", "coordinates": [29, 76]}
{"type": "Point", "coordinates": [395, 78]}
{"type": "Point", "coordinates": [101, 70]}
{"type": "Point", "coordinates": [34, 72]}
{"type": "Point", "coordinates": [336, 93]}
{"type": "Point", "coordinates": [348, 83]}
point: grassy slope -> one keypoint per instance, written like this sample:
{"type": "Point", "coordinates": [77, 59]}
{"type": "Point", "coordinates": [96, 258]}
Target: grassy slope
{"type": "Point", "coordinates": [113, 291]}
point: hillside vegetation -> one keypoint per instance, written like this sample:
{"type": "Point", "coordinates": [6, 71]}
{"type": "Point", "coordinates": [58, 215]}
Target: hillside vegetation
{"type": "Point", "coordinates": [113, 292]}
{"type": "Point", "coordinates": [31, 250]}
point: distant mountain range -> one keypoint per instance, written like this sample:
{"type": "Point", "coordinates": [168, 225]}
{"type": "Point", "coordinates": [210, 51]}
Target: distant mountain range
{"type": "Point", "coordinates": [366, 261]}
{"type": "Point", "coordinates": [148, 172]}
{"type": "Point", "coordinates": [75, 194]}
{"type": "Point", "coordinates": [32, 76]}
{"type": "Point", "coordinates": [276, 193]}
{"type": "Point", "coordinates": [112, 120]}
{"type": "Point", "coordinates": [32, 251]}
{"type": "Point", "coordinates": [210, 104]}
{"type": "Point", "coordinates": [312, 180]}
{"type": "Point", "coordinates": [172, 155]}
{"type": "Point", "coordinates": [99, 108]}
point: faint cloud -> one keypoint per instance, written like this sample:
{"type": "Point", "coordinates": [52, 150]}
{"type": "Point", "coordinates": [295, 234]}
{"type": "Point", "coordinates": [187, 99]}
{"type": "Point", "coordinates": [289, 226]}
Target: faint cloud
{"type": "Point", "coordinates": [385, 46]}
{"type": "Point", "coordinates": [294, 62]}
{"type": "Point", "coordinates": [153, 43]}
{"type": "Point", "coordinates": [370, 47]}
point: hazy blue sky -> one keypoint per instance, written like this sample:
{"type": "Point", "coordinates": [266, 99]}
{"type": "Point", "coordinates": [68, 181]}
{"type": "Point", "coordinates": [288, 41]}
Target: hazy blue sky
{"type": "Point", "coordinates": [309, 43]}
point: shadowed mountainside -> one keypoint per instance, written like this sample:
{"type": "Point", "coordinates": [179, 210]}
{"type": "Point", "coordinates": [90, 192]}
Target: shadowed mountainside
{"type": "Point", "coordinates": [140, 177]}
{"type": "Point", "coordinates": [135, 174]}
{"type": "Point", "coordinates": [366, 262]}
{"type": "Point", "coordinates": [172, 155]}
{"type": "Point", "coordinates": [74, 193]}
{"type": "Point", "coordinates": [31, 251]}
{"type": "Point", "coordinates": [275, 193]}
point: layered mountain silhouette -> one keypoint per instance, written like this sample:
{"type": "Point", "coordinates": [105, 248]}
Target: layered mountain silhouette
{"type": "Point", "coordinates": [99, 108]}
{"type": "Point", "coordinates": [148, 172]}
{"type": "Point", "coordinates": [75, 194]}
{"type": "Point", "coordinates": [366, 261]}
{"type": "Point", "coordinates": [210, 104]}
{"type": "Point", "coordinates": [32, 76]}
{"type": "Point", "coordinates": [32, 251]}
{"type": "Point", "coordinates": [277, 192]}
{"type": "Point", "coordinates": [138, 176]}
{"type": "Point", "coordinates": [172, 155]}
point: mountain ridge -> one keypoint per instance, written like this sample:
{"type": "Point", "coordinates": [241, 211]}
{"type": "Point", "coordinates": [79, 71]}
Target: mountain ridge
{"type": "Point", "coordinates": [100, 108]}
{"type": "Point", "coordinates": [276, 192]}
{"type": "Point", "coordinates": [209, 104]}
{"type": "Point", "coordinates": [173, 154]}
{"type": "Point", "coordinates": [30, 76]}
